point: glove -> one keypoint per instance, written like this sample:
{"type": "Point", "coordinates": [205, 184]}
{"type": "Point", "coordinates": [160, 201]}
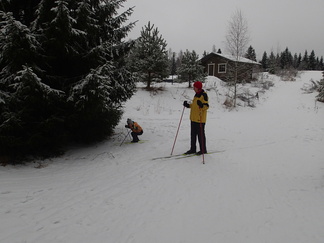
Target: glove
{"type": "Point", "coordinates": [126, 126]}
{"type": "Point", "coordinates": [200, 104]}
{"type": "Point", "coordinates": [185, 104]}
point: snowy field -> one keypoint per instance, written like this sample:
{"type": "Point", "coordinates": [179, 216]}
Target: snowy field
{"type": "Point", "coordinates": [266, 187]}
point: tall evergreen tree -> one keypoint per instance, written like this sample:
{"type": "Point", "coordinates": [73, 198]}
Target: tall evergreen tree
{"type": "Point", "coordinates": [83, 54]}
{"type": "Point", "coordinates": [312, 61]}
{"type": "Point", "coordinates": [273, 67]}
{"type": "Point", "coordinates": [250, 54]}
{"type": "Point", "coordinates": [304, 65]}
{"type": "Point", "coordinates": [321, 64]}
{"type": "Point", "coordinates": [150, 57]}
{"type": "Point", "coordinates": [30, 123]}
{"type": "Point", "coordinates": [264, 61]}
{"type": "Point", "coordinates": [299, 62]}
{"type": "Point", "coordinates": [286, 59]}
{"type": "Point", "coordinates": [295, 61]}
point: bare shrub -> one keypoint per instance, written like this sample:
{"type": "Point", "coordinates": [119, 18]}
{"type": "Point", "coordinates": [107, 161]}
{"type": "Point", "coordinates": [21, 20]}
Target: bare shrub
{"type": "Point", "coordinates": [288, 74]}
{"type": "Point", "coordinates": [228, 103]}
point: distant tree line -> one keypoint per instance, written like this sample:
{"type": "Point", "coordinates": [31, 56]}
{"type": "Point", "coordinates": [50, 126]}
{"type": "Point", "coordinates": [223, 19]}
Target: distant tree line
{"type": "Point", "coordinates": [285, 60]}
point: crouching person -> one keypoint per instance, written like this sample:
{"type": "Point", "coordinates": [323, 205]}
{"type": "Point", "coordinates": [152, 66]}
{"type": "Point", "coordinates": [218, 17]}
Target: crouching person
{"type": "Point", "coordinates": [136, 129]}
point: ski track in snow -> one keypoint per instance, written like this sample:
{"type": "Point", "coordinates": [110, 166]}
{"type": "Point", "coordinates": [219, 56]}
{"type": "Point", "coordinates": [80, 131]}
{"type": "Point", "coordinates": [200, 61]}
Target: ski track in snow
{"type": "Point", "coordinates": [268, 186]}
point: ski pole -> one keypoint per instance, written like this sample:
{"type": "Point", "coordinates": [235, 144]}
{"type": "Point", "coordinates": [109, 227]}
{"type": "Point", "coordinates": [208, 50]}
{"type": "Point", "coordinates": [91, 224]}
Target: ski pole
{"type": "Point", "coordinates": [125, 137]}
{"type": "Point", "coordinates": [130, 135]}
{"type": "Point", "coordinates": [175, 139]}
{"type": "Point", "coordinates": [202, 139]}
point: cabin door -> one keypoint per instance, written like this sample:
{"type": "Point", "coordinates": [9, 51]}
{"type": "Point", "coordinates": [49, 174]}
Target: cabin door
{"type": "Point", "coordinates": [211, 69]}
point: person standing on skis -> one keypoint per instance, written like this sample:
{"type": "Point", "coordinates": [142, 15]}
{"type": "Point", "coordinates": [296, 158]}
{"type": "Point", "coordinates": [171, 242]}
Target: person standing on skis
{"type": "Point", "coordinates": [136, 129]}
{"type": "Point", "coordinates": [198, 115]}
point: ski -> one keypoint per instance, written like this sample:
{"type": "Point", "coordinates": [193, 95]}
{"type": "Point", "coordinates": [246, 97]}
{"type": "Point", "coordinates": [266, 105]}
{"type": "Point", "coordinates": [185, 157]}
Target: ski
{"type": "Point", "coordinates": [170, 156]}
{"type": "Point", "coordinates": [140, 141]}
{"type": "Point", "coordinates": [181, 156]}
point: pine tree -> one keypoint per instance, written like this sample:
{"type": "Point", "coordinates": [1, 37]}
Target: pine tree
{"type": "Point", "coordinates": [250, 54]}
{"type": "Point", "coordinates": [150, 57]}
{"type": "Point", "coordinates": [321, 64]}
{"type": "Point", "coordinates": [304, 65]}
{"type": "Point", "coordinates": [299, 62]}
{"type": "Point", "coordinates": [273, 66]}
{"type": "Point", "coordinates": [312, 61]}
{"type": "Point", "coordinates": [295, 61]}
{"type": "Point", "coordinates": [264, 61]}
{"type": "Point", "coordinates": [286, 59]}
{"type": "Point", "coordinates": [190, 68]}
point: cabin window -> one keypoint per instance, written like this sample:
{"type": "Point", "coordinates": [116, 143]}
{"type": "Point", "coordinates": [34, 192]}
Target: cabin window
{"type": "Point", "coordinates": [222, 68]}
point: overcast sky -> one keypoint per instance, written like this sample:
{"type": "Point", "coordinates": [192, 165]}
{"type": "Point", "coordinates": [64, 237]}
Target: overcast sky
{"type": "Point", "coordinates": [200, 24]}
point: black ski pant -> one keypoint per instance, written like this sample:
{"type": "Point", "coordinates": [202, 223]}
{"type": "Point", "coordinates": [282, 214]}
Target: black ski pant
{"type": "Point", "coordinates": [198, 130]}
{"type": "Point", "coordinates": [135, 135]}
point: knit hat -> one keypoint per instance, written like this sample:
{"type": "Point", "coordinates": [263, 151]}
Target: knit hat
{"type": "Point", "coordinates": [129, 121]}
{"type": "Point", "coordinates": [198, 85]}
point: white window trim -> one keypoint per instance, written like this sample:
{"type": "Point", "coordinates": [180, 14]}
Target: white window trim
{"type": "Point", "coordinates": [222, 64]}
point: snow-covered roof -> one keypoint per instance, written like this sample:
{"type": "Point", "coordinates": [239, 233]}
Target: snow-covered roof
{"type": "Point", "coordinates": [233, 58]}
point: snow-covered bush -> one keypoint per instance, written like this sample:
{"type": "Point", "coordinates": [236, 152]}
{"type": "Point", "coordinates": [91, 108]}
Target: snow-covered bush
{"type": "Point", "coordinates": [288, 74]}
{"type": "Point", "coordinates": [320, 89]}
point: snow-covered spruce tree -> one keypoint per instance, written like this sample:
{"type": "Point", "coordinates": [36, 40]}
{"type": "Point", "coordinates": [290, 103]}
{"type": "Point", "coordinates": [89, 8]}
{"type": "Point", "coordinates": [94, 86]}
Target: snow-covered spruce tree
{"type": "Point", "coordinates": [91, 37]}
{"type": "Point", "coordinates": [82, 52]}
{"type": "Point", "coordinates": [312, 61]}
{"type": "Point", "coordinates": [320, 96]}
{"type": "Point", "coordinates": [29, 125]}
{"type": "Point", "coordinates": [149, 59]}
{"type": "Point", "coordinates": [18, 46]}
{"type": "Point", "coordinates": [190, 69]}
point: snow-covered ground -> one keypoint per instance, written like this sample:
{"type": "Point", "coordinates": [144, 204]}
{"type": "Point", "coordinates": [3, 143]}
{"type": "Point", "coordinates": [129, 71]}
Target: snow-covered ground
{"type": "Point", "coordinates": [267, 186]}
